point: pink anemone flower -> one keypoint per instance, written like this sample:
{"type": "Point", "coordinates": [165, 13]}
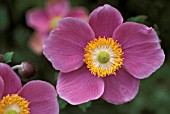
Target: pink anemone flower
{"type": "Point", "coordinates": [35, 97]}
{"type": "Point", "coordinates": [43, 21]}
{"type": "Point", "coordinates": [102, 58]}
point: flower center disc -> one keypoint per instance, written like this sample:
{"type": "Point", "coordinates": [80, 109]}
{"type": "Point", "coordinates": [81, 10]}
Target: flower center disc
{"type": "Point", "coordinates": [12, 112]}
{"type": "Point", "coordinates": [103, 56]}
{"type": "Point", "coordinates": [14, 104]}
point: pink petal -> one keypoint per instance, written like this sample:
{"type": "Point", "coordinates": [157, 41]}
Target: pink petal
{"type": "Point", "coordinates": [79, 12]}
{"type": "Point", "coordinates": [1, 87]}
{"type": "Point", "coordinates": [36, 42]}
{"type": "Point", "coordinates": [65, 45]}
{"type": "Point", "coordinates": [12, 83]}
{"type": "Point", "coordinates": [58, 8]}
{"type": "Point", "coordinates": [42, 97]}
{"type": "Point", "coordinates": [121, 88]}
{"type": "Point", "coordinates": [79, 86]}
{"type": "Point", "coordinates": [104, 20]}
{"type": "Point", "coordinates": [142, 51]}
{"type": "Point", "coordinates": [38, 19]}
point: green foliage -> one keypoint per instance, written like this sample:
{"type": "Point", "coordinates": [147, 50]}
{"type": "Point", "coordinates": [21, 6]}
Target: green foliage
{"type": "Point", "coordinates": [137, 19]}
{"type": "Point", "coordinates": [4, 19]}
{"type": "Point", "coordinates": [62, 103]}
{"type": "Point", "coordinates": [85, 106]}
{"type": "Point", "coordinates": [8, 57]}
{"type": "Point", "coordinates": [156, 29]}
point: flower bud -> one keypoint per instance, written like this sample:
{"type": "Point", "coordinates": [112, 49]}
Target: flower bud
{"type": "Point", "coordinates": [1, 58]}
{"type": "Point", "coordinates": [27, 70]}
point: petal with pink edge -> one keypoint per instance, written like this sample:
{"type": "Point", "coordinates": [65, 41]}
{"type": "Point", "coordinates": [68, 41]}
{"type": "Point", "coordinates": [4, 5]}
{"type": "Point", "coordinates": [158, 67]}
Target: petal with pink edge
{"type": "Point", "coordinates": [79, 86]}
{"type": "Point", "coordinates": [79, 12]}
{"type": "Point", "coordinates": [12, 83]}
{"type": "Point", "coordinates": [1, 87]}
{"type": "Point", "coordinates": [42, 97]}
{"type": "Point", "coordinates": [38, 19]}
{"type": "Point", "coordinates": [104, 20]}
{"type": "Point", "coordinates": [65, 45]}
{"type": "Point", "coordinates": [142, 51]}
{"type": "Point", "coordinates": [121, 88]}
{"type": "Point", "coordinates": [58, 8]}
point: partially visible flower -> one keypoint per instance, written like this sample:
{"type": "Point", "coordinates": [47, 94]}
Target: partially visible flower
{"type": "Point", "coordinates": [43, 21]}
{"type": "Point", "coordinates": [35, 97]}
{"type": "Point", "coordinates": [102, 58]}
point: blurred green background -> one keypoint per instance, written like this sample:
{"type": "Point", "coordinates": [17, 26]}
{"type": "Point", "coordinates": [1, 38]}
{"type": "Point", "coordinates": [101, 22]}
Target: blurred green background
{"type": "Point", "coordinates": [154, 92]}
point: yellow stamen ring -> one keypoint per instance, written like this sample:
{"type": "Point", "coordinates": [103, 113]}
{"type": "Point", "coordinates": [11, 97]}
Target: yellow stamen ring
{"type": "Point", "coordinates": [14, 104]}
{"type": "Point", "coordinates": [103, 56]}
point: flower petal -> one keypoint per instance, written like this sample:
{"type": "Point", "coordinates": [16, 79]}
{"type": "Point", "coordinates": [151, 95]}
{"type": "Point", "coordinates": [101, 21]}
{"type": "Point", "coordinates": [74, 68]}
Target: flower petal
{"type": "Point", "coordinates": [121, 88]}
{"type": "Point", "coordinates": [104, 20]}
{"type": "Point", "coordinates": [12, 83]}
{"type": "Point", "coordinates": [79, 86]}
{"type": "Point", "coordinates": [79, 12]}
{"type": "Point", "coordinates": [142, 51]}
{"type": "Point", "coordinates": [65, 45]}
{"type": "Point", "coordinates": [57, 8]}
{"type": "Point", "coordinates": [38, 19]}
{"type": "Point", "coordinates": [42, 97]}
{"type": "Point", "coordinates": [1, 87]}
{"type": "Point", "coordinates": [36, 42]}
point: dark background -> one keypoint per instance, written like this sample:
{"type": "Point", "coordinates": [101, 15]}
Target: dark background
{"type": "Point", "coordinates": [154, 92]}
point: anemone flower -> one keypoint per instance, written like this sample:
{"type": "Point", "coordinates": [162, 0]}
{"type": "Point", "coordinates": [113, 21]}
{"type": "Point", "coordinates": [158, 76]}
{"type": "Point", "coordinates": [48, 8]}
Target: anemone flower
{"type": "Point", "coordinates": [35, 97]}
{"type": "Point", "coordinates": [103, 57]}
{"type": "Point", "coordinates": [43, 21]}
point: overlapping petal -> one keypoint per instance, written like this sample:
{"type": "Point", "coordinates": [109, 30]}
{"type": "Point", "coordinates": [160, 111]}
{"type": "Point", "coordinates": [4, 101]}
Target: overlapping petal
{"type": "Point", "coordinates": [142, 51]}
{"type": "Point", "coordinates": [79, 86]}
{"type": "Point", "coordinates": [60, 8]}
{"type": "Point", "coordinates": [1, 87]}
{"type": "Point", "coordinates": [104, 20]}
{"type": "Point", "coordinates": [12, 83]}
{"type": "Point", "coordinates": [42, 97]}
{"type": "Point", "coordinates": [38, 19]}
{"type": "Point", "coordinates": [121, 88]}
{"type": "Point", "coordinates": [65, 45]}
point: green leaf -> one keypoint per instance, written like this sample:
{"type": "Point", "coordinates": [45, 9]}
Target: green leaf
{"type": "Point", "coordinates": [56, 75]}
{"type": "Point", "coordinates": [84, 106]}
{"type": "Point", "coordinates": [155, 26]}
{"type": "Point", "coordinates": [62, 103]}
{"type": "Point", "coordinates": [138, 19]}
{"type": "Point", "coordinates": [8, 57]}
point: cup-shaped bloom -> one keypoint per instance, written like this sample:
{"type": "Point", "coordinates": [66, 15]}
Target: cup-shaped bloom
{"type": "Point", "coordinates": [103, 57]}
{"type": "Point", "coordinates": [35, 97]}
{"type": "Point", "coordinates": [45, 20]}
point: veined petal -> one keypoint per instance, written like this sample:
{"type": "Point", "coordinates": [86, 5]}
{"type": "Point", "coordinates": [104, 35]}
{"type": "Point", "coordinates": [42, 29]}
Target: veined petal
{"type": "Point", "coordinates": [65, 46]}
{"type": "Point", "coordinates": [79, 86]}
{"type": "Point", "coordinates": [121, 88]}
{"type": "Point", "coordinates": [12, 83]}
{"type": "Point", "coordinates": [1, 87]}
{"type": "Point", "coordinates": [142, 52]}
{"type": "Point", "coordinates": [104, 20]}
{"type": "Point", "coordinates": [42, 97]}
